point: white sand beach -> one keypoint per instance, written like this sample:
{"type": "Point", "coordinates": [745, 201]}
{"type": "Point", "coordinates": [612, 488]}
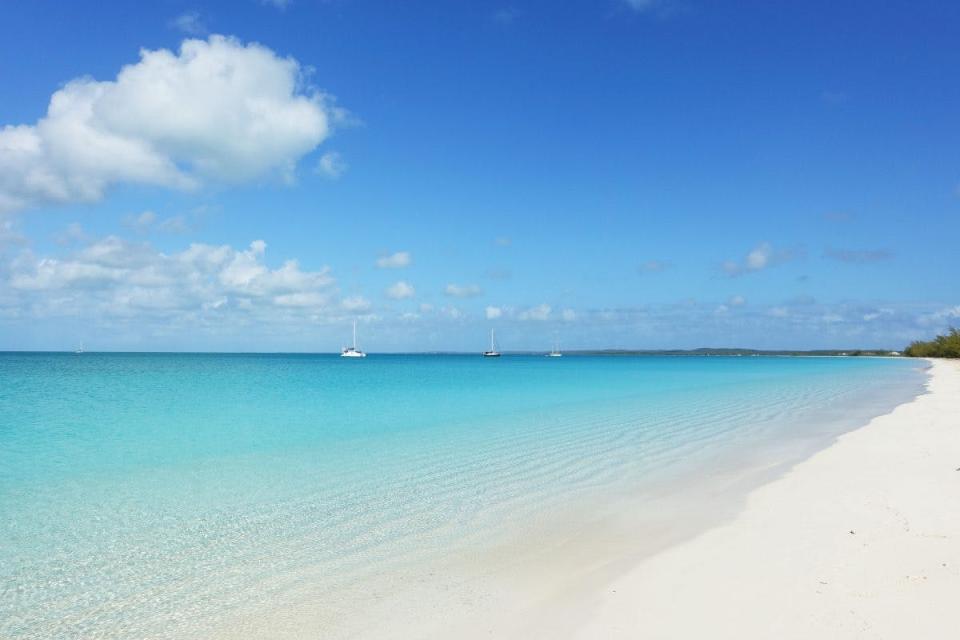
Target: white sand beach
{"type": "Point", "coordinates": [862, 540]}
{"type": "Point", "coordinates": [858, 540]}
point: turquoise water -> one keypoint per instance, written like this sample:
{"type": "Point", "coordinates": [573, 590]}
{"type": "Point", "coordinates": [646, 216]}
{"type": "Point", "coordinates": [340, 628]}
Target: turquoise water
{"type": "Point", "coordinates": [155, 495]}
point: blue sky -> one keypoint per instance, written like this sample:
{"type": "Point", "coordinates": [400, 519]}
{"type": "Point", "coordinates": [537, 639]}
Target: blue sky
{"type": "Point", "coordinates": [253, 175]}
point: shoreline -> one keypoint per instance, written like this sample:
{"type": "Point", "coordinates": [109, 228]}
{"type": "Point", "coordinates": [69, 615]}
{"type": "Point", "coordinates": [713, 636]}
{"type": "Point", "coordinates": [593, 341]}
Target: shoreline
{"type": "Point", "coordinates": [565, 576]}
{"type": "Point", "coordinates": [856, 541]}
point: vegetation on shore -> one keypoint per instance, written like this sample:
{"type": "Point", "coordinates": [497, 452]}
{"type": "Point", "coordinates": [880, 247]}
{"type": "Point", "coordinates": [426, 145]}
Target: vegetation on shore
{"type": "Point", "coordinates": [945, 346]}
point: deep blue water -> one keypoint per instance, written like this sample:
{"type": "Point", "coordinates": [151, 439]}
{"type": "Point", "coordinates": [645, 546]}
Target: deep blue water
{"type": "Point", "coordinates": [149, 494]}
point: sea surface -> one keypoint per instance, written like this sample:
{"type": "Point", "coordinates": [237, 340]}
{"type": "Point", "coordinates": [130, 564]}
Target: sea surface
{"type": "Point", "coordinates": [159, 495]}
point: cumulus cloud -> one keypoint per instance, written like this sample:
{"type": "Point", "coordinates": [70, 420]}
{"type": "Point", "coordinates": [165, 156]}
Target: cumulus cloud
{"type": "Point", "coordinates": [761, 257]}
{"type": "Point", "coordinates": [331, 165]}
{"type": "Point", "coordinates": [112, 277]}
{"type": "Point", "coordinates": [400, 290]}
{"type": "Point", "coordinates": [462, 290]}
{"type": "Point", "coordinates": [217, 110]}
{"type": "Point", "coordinates": [540, 312]}
{"type": "Point", "coordinates": [396, 260]}
{"type": "Point", "coordinates": [568, 315]}
{"type": "Point", "coordinates": [858, 256]}
{"type": "Point", "coordinates": [493, 313]}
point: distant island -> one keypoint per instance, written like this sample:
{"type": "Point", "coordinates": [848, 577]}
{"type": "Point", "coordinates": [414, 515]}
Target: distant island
{"type": "Point", "coordinates": [945, 346]}
{"type": "Point", "coordinates": [708, 351]}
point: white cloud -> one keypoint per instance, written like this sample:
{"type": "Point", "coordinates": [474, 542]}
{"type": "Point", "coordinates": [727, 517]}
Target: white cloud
{"type": "Point", "coordinates": [462, 291]}
{"type": "Point", "coordinates": [778, 312]}
{"type": "Point", "coordinates": [568, 315]}
{"type": "Point", "coordinates": [941, 317]}
{"type": "Point", "coordinates": [737, 301]}
{"type": "Point", "coordinates": [539, 312]}
{"type": "Point", "coordinates": [396, 260]}
{"type": "Point", "coordinates": [279, 4]}
{"type": "Point", "coordinates": [218, 110]}
{"type": "Point", "coordinates": [401, 290]}
{"type": "Point", "coordinates": [761, 257]}
{"type": "Point", "coordinates": [112, 277]}
{"type": "Point", "coordinates": [493, 313]}
{"type": "Point", "coordinates": [331, 165]}
{"type": "Point", "coordinates": [190, 23]}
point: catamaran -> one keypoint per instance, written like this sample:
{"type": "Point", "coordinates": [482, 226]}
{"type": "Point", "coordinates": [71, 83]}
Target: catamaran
{"type": "Point", "coordinates": [493, 353]}
{"type": "Point", "coordinates": [354, 351]}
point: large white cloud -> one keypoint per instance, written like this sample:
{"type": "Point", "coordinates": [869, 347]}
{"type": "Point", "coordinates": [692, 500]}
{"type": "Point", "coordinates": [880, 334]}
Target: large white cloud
{"type": "Point", "coordinates": [218, 110]}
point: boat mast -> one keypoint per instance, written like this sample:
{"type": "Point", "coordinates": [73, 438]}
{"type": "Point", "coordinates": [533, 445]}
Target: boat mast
{"type": "Point", "coordinates": [354, 334]}
{"type": "Point", "coordinates": [492, 348]}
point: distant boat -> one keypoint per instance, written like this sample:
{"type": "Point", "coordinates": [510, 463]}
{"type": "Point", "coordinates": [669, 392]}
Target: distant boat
{"type": "Point", "coordinates": [556, 350]}
{"type": "Point", "coordinates": [80, 350]}
{"type": "Point", "coordinates": [493, 353]}
{"type": "Point", "coordinates": [353, 352]}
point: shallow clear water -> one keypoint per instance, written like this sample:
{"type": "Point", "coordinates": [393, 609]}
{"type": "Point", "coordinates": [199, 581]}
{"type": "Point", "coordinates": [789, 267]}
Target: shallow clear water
{"type": "Point", "coordinates": [157, 494]}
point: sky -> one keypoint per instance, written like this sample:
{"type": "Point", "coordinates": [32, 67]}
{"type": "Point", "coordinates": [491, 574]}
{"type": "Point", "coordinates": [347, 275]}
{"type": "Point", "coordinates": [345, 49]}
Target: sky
{"type": "Point", "coordinates": [254, 175]}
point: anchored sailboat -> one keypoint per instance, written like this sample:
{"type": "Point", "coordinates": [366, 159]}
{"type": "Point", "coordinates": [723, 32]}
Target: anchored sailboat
{"type": "Point", "coordinates": [354, 351]}
{"type": "Point", "coordinates": [493, 353]}
{"type": "Point", "coordinates": [556, 349]}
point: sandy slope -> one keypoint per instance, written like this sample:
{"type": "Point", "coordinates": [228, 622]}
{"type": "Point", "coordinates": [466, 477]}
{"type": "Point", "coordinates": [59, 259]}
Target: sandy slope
{"type": "Point", "coordinates": [860, 541]}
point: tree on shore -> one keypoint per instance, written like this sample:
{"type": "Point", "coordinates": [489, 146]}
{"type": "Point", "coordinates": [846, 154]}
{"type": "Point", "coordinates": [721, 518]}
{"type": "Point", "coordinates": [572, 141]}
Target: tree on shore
{"type": "Point", "coordinates": [945, 346]}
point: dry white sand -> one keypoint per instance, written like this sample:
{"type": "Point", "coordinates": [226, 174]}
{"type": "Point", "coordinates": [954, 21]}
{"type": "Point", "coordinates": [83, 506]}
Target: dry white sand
{"type": "Point", "coordinates": [862, 540]}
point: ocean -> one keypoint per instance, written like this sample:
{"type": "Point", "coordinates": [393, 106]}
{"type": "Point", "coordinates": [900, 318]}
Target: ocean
{"type": "Point", "coordinates": [168, 495]}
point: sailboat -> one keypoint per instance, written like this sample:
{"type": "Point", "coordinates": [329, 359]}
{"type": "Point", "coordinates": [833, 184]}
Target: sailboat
{"type": "Point", "coordinates": [353, 352]}
{"type": "Point", "coordinates": [556, 350]}
{"type": "Point", "coordinates": [80, 350]}
{"type": "Point", "coordinates": [493, 353]}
